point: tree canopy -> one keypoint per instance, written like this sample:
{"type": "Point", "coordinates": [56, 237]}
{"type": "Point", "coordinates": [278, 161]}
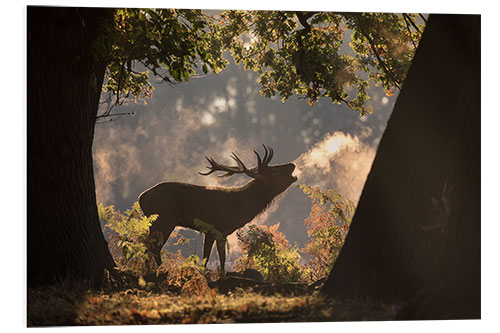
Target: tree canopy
{"type": "Point", "coordinates": [170, 43]}
{"type": "Point", "coordinates": [311, 54]}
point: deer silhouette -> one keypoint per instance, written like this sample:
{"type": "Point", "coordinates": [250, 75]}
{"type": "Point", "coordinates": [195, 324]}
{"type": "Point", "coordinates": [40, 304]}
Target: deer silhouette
{"type": "Point", "coordinates": [226, 208]}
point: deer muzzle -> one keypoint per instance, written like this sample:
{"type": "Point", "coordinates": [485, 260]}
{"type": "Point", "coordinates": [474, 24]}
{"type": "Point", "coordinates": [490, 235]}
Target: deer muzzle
{"type": "Point", "coordinates": [292, 169]}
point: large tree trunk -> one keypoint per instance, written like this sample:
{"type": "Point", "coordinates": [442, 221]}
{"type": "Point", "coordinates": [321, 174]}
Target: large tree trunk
{"type": "Point", "coordinates": [416, 230]}
{"type": "Point", "coordinates": [64, 78]}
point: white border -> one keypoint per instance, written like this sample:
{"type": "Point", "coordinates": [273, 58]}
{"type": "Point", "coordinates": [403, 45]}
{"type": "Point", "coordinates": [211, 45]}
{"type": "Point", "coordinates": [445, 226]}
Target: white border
{"type": "Point", "coordinates": [14, 155]}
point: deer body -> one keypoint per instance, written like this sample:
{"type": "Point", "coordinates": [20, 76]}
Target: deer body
{"type": "Point", "coordinates": [228, 209]}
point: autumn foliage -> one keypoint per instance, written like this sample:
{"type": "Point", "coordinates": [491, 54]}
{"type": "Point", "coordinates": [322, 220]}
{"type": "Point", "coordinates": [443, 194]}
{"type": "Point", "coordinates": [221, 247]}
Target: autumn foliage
{"type": "Point", "coordinates": [263, 248]}
{"type": "Point", "coordinates": [267, 250]}
{"type": "Point", "coordinates": [327, 227]}
{"type": "Point", "coordinates": [127, 235]}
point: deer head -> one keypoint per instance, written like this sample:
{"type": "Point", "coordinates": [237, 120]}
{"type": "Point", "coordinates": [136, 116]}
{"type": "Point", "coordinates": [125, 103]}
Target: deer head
{"type": "Point", "coordinates": [276, 178]}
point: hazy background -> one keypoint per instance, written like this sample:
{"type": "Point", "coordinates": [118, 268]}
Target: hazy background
{"type": "Point", "coordinates": [214, 115]}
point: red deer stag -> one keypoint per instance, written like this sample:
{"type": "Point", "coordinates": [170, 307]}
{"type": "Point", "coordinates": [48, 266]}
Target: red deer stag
{"type": "Point", "coordinates": [227, 209]}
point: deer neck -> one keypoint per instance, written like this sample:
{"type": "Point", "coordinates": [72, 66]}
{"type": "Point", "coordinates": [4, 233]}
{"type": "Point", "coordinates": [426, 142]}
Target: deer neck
{"type": "Point", "coordinates": [254, 198]}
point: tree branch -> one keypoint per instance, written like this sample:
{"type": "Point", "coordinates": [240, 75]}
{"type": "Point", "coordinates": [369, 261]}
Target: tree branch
{"type": "Point", "coordinates": [163, 77]}
{"type": "Point", "coordinates": [410, 20]}
{"type": "Point", "coordinates": [386, 68]}
{"type": "Point", "coordinates": [113, 115]}
{"type": "Point", "coordinates": [409, 30]}
{"type": "Point", "coordinates": [303, 20]}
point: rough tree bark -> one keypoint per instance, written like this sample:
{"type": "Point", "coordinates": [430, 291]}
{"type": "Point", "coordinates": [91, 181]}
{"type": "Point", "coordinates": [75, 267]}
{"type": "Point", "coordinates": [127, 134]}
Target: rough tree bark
{"type": "Point", "coordinates": [416, 231]}
{"type": "Point", "coordinates": [64, 238]}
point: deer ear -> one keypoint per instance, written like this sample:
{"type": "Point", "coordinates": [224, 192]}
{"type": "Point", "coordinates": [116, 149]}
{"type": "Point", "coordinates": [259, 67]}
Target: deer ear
{"type": "Point", "coordinates": [255, 175]}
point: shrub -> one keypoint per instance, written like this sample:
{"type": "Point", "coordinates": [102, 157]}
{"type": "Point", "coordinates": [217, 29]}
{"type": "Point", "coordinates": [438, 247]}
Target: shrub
{"type": "Point", "coordinates": [327, 227]}
{"type": "Point", "coordinates": [266, 250]}
{"type": "Point", "coordinates": [127, 237]}
{"type": "Point", "coordinates": [185, 273]}
{"type": "Point", "coordinates": [128, 234]}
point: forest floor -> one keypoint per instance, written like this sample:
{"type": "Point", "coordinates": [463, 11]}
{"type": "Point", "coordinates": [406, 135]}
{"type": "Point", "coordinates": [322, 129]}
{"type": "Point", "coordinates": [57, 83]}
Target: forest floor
{"type": "Point", "coordinates": [61, 306]}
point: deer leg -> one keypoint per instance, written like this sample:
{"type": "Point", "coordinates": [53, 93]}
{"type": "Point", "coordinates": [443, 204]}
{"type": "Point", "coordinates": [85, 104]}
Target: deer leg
{"type": "Point", "coordinates": [154, 248]}
{"type": "Point", "coordinates": [221, 249]}
{"type": "Point", "coordinates": [158, 236]}
{"type": "Point", "coordinates": [208, 242]}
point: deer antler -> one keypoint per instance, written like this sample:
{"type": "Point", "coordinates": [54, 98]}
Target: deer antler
{"type": "Point", "coordinates": [268, 155]}
{"type": "Point", "coordinates": [262, 163]}
{"type": "Point", "coordinates": [230, 170]}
